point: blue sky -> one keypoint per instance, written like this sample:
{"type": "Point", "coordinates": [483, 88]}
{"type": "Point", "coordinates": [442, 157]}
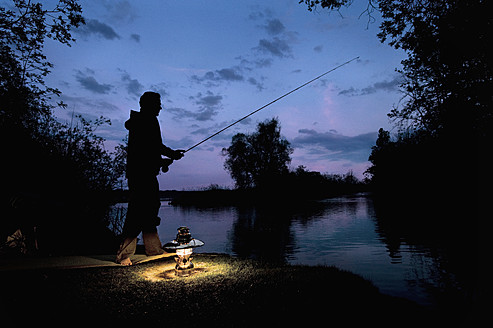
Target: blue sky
{"type": "Point", "coordinates": [215, 61]}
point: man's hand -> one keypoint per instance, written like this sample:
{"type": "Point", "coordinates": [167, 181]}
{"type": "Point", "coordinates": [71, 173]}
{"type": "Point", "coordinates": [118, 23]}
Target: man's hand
{"type": "Point", "coordinates": [165, 163]}
{"type": "Point", "coordinates": [178, 154]}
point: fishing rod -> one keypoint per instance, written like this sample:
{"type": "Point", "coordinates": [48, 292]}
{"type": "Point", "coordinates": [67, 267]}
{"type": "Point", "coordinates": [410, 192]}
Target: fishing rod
{"type": "Point", "coordinates": [273, 101]}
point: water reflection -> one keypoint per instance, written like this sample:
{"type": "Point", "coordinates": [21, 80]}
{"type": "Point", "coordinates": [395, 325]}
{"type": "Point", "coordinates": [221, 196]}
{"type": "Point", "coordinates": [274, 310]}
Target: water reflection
{"type": "Point", "coordinates": [437, 244]}
{"type": "Point", "coordinates": [262, 233]}
{"type": "Point", "coordinates": [351, 233]}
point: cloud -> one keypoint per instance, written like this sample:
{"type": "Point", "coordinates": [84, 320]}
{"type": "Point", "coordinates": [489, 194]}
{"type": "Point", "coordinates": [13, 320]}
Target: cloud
{"type": "Point", "coordinates": [161, 89]}
{"type": "Point", "coordinates": [221, 140]}
{"type": "Point", "coordinates": [229, 74]}
{"type": "Point", "coordinates": [263, 62]}
{"type": "Point", "coordinates": [135, 37]}
{"type": "Point", "coordinates": [274, 27]}
{"type": "Point", "coordinates": [275, 47]}
{"type": "Point", "coordinates": [349, 92]}
{"type": "Point", "coordinates": [90, 105]}
{"type": "Point", "coordinates": [251, 64]}
{"type": "Point", "coordinates": [120, 12]}
{"type": "Point", "coordinates": [209, 100]}
{"type": "Point", "coordinates": [257, 14]}
{"type": "Point", "coordinates": [278, 45]}
{"type": "Point", "coordinates": [384, 85]}
{"type": "Point", "coordinates": [133, 86]}
{"type": "Point", "coordinates": [388, 86]}
{"type": "Point", "coordinates": [93, 26]}
{"type": "Point", "coordinates": [209, 104]}
{"type": "Point", "coordinates": [204, 114]}
{"type": "Point", "coordinates": [259, 85]}
{"type": "Point", "coordinates": [181, 113]}
{"type": "Point", "coordinates": [232, 74]}
{"type": "Point", "coordinates": [262, 56]}
{"type": "Point", "coordinates": [335, 146]}
{"type": "Point", "coordinates": [88, 82]}
{"type": "Point", "coordinates": [181, 143]}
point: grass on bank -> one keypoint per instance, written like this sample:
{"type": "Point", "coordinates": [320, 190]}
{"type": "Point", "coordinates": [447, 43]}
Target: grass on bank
{"type": "Point", "coordinates": [225, 291]}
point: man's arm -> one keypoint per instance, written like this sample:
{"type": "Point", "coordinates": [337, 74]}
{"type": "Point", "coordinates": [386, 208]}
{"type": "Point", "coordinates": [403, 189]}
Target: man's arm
{"type": "Point", "coordinates": [173, 154]}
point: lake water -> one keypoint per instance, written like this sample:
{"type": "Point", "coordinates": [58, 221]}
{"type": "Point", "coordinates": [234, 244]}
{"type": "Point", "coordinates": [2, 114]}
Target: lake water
{"type": "Point", "coordinates": [344, 232]}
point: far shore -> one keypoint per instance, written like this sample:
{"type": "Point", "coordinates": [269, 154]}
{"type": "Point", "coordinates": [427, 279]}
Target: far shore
{"type": "Point", "coordinates": [233, 197]}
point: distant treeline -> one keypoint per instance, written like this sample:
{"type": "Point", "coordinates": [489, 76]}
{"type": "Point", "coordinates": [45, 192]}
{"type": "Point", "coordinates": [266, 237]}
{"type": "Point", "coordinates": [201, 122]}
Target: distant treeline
{"type": "Point", "coordinates": [296, 186]}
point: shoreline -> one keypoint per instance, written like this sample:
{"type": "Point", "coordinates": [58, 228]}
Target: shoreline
{"type": "Point", "coordinates": [225, 291]}
{"type": "Point", "coordinates": [240, 197]}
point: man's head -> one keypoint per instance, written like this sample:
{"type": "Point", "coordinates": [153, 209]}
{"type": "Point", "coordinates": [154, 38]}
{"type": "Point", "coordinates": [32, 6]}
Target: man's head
{"type": "Point", "coordinates": [150, 103]}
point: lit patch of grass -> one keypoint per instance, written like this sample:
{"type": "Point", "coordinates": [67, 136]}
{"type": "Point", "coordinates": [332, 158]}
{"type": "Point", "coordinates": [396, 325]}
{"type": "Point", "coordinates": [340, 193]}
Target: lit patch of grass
{"type": "Point", "coordinates": [203, 269]}
{"type": "Point", "coordinates": [210, 266]}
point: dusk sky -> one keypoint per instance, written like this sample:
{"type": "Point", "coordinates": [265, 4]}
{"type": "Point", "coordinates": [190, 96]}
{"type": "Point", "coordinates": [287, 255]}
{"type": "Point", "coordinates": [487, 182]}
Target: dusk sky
{"type": "Point", "coordinates": [216, 61]}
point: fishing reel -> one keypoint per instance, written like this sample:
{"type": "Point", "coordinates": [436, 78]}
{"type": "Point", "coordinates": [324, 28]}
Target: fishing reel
{"type": "Point", "coordinates": [165, 163]}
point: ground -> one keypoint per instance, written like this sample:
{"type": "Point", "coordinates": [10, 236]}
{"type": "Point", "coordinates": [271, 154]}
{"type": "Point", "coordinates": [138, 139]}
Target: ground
{"type": "Point", "coordinates": [224, 291]}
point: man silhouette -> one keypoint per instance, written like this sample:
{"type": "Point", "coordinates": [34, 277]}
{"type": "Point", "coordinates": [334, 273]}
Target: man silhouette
{"type": "Point", "coordinates": [145, 148]}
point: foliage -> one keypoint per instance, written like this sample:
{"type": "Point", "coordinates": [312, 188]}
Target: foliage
{"type": "Point", "coordinates": [47, 164]}
{"type": "Point", "coordinates": [258, 163]}
{"type": "Point", "coordinates": [329, 4]}
{"type": "Point", "coordinates": [26, 116]}
{"type": "Point", "coordinates": [297, 187]}
{"type": "Point", "coordinates": [315, 185]}
{"type": "Point", "coordinates": [448, 109]}
{"type": "Point", "coordinates": [260, 158]}
{"type": "Point", "coordinates": [411, 166]}
{"type": "Point", "coordinates": [120, 163]}
{"type": "Point", "coordinates": [338, 4]}
{"type": "Point", "coordinates": [98, 169]}
{"type": "Point", "coordinates": [448, 72]}
{"type": "Point", "coordinates": [446, 112]}
{"type": "Point", "coordinates": [23, 32]}
{"type": "Point", "coordinates": [23, 66]}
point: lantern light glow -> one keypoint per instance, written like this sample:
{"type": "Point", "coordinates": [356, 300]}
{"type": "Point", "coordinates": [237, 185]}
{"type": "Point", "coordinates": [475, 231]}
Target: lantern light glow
{"type": "Point", "coordinates": [183, 246]}
{"type": "Point", "coordinates": [184, 251]}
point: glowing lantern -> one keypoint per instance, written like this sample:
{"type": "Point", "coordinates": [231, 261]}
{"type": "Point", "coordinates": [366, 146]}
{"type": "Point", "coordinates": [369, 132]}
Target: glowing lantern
{"type": "Point", "coordinates": [183, 245]}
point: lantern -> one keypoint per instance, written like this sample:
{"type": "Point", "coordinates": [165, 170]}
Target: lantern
{"type": "Point", "coordinates": [183, 245]}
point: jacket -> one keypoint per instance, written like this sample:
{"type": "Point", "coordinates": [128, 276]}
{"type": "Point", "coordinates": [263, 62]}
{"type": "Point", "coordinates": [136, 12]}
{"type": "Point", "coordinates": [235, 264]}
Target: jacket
{"type": "Point", "coordinates": [145, 145]}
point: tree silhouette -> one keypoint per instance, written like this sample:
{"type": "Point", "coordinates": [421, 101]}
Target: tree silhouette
{"type": "Point", "coordinates": [260, 158]}
{"type": "Point", "coordinates": [50, 169]}
{"type": "Point", "coordinates": [448, 75]}
{"type": "Point", "coordinates": [23, 66]}
{"type": "Point", "coordinates": [22, 35]}
{"type": "Point", "coordinates": [444, 121]}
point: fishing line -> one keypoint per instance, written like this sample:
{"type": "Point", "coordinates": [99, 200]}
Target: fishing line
{"type": "Point", "coordinates": [273, 101]}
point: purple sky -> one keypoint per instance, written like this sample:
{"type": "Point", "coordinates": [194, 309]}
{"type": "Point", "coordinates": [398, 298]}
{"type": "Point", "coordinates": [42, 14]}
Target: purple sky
{"type": "Point", "coordinates": [216, 61]}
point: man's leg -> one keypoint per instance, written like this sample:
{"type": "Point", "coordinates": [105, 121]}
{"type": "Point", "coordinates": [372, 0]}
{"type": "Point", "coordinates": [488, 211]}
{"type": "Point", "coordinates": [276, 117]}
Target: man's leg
{"type": "Point", "coordinates": [152, 243]}
{"type": "Point", "coordinates": [131, 228]}
{"type": "Point", "coordinates": [127, 249]}
{"type": "Point", "coordinates": [129, 243]}
{"type": "Point", "coordinates": [149, 231]}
